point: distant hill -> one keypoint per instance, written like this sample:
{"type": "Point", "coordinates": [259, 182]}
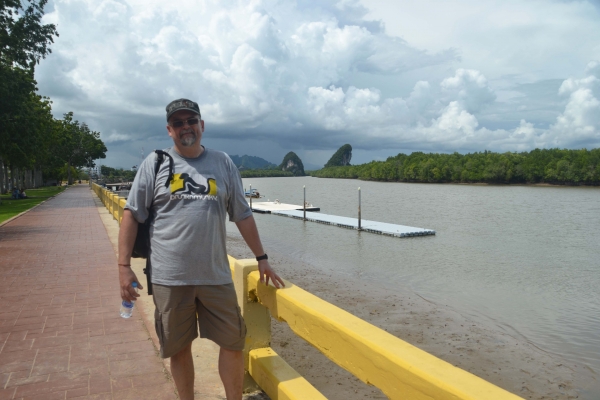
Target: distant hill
{"type": "Point", "coordinates": [251, 162]}
{"type": "Point", "coordinates": [292, 163]}
{"type": "Point", "coordinates": [341, 158]}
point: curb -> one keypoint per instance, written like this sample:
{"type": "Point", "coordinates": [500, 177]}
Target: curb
{"type": "Point", "coordinates": [26, 211]}
{"type": "Point", "coordinates": [146, 316]}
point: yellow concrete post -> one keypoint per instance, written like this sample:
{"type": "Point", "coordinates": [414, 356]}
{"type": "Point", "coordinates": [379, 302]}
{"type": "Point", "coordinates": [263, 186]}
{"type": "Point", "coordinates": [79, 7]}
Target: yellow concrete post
{"type": "Point", "coordinates": [278, 379]}
{"type": "Point", "coordinates": [122, 203]}
{"type": "Point", "coordinates": [112, 204]}
{"type": "Point", "coordinates": [116, 199]}
{"type": "Point", "coordinates": [257, 317]}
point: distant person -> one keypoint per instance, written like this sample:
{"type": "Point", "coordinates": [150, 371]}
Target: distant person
{"type": "Point", "coordinates": [192, 193]}
{"type": "Point", "coordinates": [22, 195]}
{"type": "Point", "coordinates": [15, 193]}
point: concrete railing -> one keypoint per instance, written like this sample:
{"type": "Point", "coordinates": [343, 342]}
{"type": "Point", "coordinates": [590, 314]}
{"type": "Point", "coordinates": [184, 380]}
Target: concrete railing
{"type": "Point", "coordinates": [399, 369]}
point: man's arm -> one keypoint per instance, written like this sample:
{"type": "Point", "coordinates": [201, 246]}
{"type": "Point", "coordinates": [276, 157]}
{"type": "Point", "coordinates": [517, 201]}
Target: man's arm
{"type": "Point", "coordinates": [247, 228]}
{"type": "Point", "coordinates": [127, 234]}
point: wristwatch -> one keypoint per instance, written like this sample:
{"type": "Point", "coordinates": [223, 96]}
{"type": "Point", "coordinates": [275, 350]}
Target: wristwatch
{"type": "Point", "coordinates": [263, 257]}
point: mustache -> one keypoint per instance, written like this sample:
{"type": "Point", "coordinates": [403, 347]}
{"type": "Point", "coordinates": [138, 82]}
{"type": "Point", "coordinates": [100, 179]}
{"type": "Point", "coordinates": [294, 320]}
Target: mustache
{"type": "Point", "coordinates": [185, 132]}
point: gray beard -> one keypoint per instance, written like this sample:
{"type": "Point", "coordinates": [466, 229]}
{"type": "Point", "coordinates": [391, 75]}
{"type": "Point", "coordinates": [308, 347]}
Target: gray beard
{"type": "Point", "coordinates": [188, 141]}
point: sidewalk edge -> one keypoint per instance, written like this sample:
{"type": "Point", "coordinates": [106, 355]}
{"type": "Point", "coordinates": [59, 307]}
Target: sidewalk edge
{"type": "Point", "coordinates": [26, 211]}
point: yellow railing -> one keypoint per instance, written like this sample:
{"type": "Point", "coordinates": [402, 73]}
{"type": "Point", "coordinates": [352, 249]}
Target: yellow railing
{"type": "Point", "coordinates": [400, 370]}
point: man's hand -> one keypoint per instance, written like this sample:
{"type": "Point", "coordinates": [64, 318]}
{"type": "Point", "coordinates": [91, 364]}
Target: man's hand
{"type": "Point", "coordinates": [127, 234]}
{"type": "Point", "coordinates": [126, 278]}
{"type": "Point", "coordinates": [247, 228]}
{"type": "Point", "coordinates": [266, 271]}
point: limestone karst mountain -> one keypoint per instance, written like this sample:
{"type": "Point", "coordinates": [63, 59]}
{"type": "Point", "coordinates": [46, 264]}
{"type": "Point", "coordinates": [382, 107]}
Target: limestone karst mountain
{"type": "Point", "coordinates": [341, 157]}
{"type": "Point", "coordinates": [291, 162]}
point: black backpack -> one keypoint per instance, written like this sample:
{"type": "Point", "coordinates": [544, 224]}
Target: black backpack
{"type": "Point", "coordinates": [141, 247]}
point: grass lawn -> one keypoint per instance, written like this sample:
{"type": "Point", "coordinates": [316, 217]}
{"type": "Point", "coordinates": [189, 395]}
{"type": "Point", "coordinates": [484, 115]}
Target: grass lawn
{"type": "Point", "coordinates": [10, 207]}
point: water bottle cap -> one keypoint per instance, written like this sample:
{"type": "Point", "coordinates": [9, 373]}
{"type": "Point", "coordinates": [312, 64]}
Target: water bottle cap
{"type": "Point", "coordinates": [134, 284]}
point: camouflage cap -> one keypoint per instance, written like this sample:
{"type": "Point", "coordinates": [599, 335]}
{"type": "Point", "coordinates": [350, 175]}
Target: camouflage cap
{"type": "Point", "coordinates": [182, 104]}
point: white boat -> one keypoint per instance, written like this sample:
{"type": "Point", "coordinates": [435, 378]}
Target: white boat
{"type": "Point", "coordinates": [253, 193]}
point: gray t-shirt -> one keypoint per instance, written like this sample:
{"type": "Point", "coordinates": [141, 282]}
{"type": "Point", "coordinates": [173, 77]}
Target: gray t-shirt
{"type": "Point", "coordinates": [187, 235]}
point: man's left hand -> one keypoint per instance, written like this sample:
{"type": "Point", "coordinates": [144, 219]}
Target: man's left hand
{"type": "Point", "coordinates": [267, 272]}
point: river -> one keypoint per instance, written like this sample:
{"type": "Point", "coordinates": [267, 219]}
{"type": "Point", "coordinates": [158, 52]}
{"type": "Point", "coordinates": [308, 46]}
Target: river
{"type": "Point", "coordinates": [523, 258]}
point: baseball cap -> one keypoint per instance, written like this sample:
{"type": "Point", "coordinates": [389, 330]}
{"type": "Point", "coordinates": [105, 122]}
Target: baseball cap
{"type": "Point", "coordinates": [182, 104]}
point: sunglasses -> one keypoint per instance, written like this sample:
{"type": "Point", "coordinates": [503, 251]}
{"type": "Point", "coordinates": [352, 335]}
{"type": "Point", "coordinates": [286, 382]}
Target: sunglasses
{"type": "Point", "coordinates": [190, 122]}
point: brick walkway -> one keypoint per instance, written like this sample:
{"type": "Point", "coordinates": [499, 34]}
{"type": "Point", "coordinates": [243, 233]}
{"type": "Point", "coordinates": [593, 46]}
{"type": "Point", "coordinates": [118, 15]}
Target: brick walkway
{"type": "Point", "coordinates": [61, 336]}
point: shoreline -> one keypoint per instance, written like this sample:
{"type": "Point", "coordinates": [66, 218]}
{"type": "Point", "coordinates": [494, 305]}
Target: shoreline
{"type": "Point", "coordinates": [509, 362]}
{"type": "Point", "coordinates": [540, 184]}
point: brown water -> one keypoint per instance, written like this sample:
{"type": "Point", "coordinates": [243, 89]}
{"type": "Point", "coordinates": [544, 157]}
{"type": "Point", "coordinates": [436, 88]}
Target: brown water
{"type": "Point", "coordinates": [525, 259]}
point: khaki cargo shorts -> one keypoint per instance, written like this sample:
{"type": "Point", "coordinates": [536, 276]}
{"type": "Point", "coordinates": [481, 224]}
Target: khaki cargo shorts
{"type": "Point", "coordinates": [181, 310]}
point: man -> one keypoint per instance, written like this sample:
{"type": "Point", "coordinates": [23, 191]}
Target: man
{"type": "Point", "coordinates": [190, 272]}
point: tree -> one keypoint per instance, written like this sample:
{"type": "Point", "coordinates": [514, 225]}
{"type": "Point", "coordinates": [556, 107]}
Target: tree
{"type": "Point", "coordinates": [75, 145]}
{"type": "Point", "coordinates": [24, 40]}
{"type": "Point", "coordinates": [112, 175]}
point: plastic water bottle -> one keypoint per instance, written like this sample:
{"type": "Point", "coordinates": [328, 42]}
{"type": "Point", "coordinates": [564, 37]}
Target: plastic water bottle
{"type": "Point", "coordinates": [127, 306]}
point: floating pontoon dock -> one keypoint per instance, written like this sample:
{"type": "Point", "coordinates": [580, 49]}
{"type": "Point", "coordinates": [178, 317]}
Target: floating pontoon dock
{"type": "Point", "coordinates": [297, 212]}
{"type": "Point", "coordinates": [380, 228]}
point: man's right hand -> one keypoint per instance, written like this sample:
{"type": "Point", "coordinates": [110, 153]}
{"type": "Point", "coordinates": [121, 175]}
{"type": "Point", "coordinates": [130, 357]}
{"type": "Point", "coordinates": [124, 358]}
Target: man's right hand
{"type": "Point", "coordinates": [127, 234]}
{"type": "Point", "coordinates": [126, 278]}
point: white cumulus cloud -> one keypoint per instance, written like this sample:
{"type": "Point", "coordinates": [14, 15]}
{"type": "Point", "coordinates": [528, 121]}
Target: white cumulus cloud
{"type": "Point", "coordinates": [273, 76]}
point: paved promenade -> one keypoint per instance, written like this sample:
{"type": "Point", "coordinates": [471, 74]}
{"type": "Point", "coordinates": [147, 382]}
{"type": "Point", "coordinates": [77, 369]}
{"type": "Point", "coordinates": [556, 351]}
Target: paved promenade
{"type": "Point", "coordinates": [61, 336]}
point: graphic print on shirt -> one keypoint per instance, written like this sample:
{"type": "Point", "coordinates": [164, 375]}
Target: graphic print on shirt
{"type": "Point", "coordinates": [196, 187]}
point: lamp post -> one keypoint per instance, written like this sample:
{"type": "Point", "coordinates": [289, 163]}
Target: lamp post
{"type": "Point", "coordinates": [250, 197]}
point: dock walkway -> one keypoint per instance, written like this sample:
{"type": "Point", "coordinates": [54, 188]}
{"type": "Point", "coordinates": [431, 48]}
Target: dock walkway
{"type": "Point", "coordinates": [380, 228]}
{"type": "Point", "coordinates": [61, 335]}
{"type": "Point", "coordinates": [297, 212]}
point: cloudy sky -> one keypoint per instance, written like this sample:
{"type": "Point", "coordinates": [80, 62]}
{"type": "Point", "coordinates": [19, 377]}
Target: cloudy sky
{"type": "Point", "coordinates": [308, 76]}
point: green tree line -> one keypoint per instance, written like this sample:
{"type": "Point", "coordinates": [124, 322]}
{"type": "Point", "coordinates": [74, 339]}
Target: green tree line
{"type": "Point", "coordinates": [553, 166]}
{"type": "Point", "coordinates": [264, 173]}
{"type": "Point", "coordinates": [34, 146]}
{"type": "Point", "coordinates": [112, 175]}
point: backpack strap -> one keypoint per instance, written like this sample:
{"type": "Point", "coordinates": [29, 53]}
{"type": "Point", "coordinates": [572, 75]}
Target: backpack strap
{"type": "Point", "coordinates": [160, 157]}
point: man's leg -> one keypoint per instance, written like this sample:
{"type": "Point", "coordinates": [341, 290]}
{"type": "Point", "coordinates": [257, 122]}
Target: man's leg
{"type": "Point", "coordinates": [175, 323]}
{"type": "Point", "coordinates": [182, 369]}
{"type": "Point", "coordinates": [231, 370]}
